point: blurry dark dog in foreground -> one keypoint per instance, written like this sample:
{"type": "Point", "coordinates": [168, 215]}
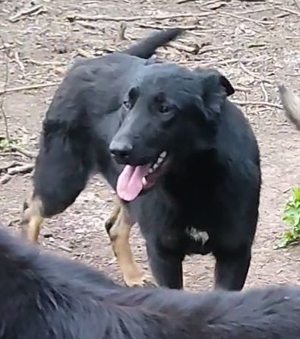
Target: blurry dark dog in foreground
{"type": "Point", "coordinates": [43, 296]}
{"type": "Point", "coordinates": [291, 105]}
{"type": "Point", "coordinates": [182, 158]}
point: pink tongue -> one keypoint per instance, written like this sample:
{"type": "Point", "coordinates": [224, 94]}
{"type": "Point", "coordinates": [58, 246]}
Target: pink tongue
{"type": "Point", "coordinates": [130, 181]}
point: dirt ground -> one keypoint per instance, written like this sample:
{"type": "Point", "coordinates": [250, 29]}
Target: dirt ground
{"type": "Point", "coordinates": [255, 44]}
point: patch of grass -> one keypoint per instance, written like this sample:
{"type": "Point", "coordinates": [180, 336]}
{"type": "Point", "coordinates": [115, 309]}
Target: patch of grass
{"type": "Point", "coordinates": [6, 143]}
{"type": "Point", "coordinates": [291, 216]}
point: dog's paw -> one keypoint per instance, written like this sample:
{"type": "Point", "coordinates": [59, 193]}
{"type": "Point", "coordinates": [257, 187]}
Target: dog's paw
{"type": "Point", "coordinates": [138, 279]}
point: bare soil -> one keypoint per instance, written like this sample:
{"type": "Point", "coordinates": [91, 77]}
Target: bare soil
{"type": "Point", "coordinates": [255, 44]}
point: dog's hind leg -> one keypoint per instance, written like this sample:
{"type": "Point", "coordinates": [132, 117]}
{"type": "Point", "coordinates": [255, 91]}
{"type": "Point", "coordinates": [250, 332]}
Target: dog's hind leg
{"type": "Point", "coordinates": [118, 227]}
{"type": "Point", "coordinates": [231, 269]}
{"type": "Point", "coordinates": [46, 203]}
{"type": "Point", "coordinates": [32, 218]}
{"type": "Point", "coordinates": [61, 172]}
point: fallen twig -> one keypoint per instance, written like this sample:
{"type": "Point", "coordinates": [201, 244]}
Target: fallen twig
{"type": "Point", "coordinates": [121, 32]}
{"type": "Point", "coordinates": [184, 48]}
{"type": "Point", "coordinates": [255, 76]}
{"type": "Point", "coordinates": [213, 5]}
{"type": "Point", "coordinates": [180, 2]}
{"type": "Point", "coordinates": [20, 169]}
{"type": "Point", "coordinates": [260, 22]}
{"type": "Point", "coordinates": [29, 87]}
{"type": "Point", "coordinates": [73, 17]}
{"type": "Point", "coordinates": [83, 53]}
{"type": "Point", "coordinates": [65, 248]}
{"type": "Point", "coordinates": [186, 28]}
{"type": "Point", "coordinates": [241, 89]}
{"type": "Point", "coordinates": [5, 179]}
{"type": "Point", "coordinates": [262, 86]}
{"type": "Point", "coordinates": [4, 167]}
{"type": "Point", "coordinates": [256, 103]}
{"type": "Point", "coordinates": [288, 10]}
{"type": "Point", "coordinates": [211, 64]}
{"type": "Point", "coordinates": [44, 63]}
{"type": "Point", "coordinates": [2, 110]}
{"type": "Point", "coordinates": [209, 49]}
{"type": "Point", "coordinates": [19, 62]}
{"type": "Point", "coordinates": [31, 10]}
{"type": "Point", "coordinates": [87, 25]}
{"type": "Point", "coordinates": [22, 151]}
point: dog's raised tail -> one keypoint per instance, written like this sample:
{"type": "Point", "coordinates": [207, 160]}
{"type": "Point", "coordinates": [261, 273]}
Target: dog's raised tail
{"type": "Point", "coordinates": [291, 105]}
{"type": "Point", "coordinates": [146, 47]}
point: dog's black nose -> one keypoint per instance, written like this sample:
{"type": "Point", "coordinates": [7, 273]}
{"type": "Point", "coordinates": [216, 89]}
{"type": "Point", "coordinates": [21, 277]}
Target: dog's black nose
{"type": "Point", "coordinates": [120, 150]}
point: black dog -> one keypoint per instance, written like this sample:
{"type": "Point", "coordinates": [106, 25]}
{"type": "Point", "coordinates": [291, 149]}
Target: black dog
{"type": "Point", "coordinates": [183, 144]}
{"type": "Point", "coordinates": [43, 296]}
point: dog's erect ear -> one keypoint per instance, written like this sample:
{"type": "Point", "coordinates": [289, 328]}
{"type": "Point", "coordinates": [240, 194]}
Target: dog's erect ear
{"type": "Point", "coordinates": [227, 85]}
{"type": "Point", "coordinates": [214, 88]}
{"type": "Point", "coordinates": [213, 80]}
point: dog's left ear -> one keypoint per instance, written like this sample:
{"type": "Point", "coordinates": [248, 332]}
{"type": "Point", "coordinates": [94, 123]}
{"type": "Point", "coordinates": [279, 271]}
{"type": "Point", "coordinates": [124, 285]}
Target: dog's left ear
{"type": "Point", "coordinates": [214, 88]}
{"type": "Point", "coordinates": [214, 81]}
{"type": "Point", "coordinates": [226, 84]}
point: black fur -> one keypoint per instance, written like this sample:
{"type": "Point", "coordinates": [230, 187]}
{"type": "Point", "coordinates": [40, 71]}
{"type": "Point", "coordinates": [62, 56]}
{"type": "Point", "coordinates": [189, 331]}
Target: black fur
{"type": "Point", "coordinates": [123, 104]}
{"type": "Point", "coordinates": [47, 297]}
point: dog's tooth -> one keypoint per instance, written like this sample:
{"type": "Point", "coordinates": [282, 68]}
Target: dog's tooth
{"type": "Point", "coordinates": [150, 170]}
{"type": "Point", "coordinates": [155, 166]}
{"type": "Point", "coordinates": [144, 181]}
{"type": "Point", "coordinates": [163, 154]}
{"type": "Point", "coordinates": [160, 160]}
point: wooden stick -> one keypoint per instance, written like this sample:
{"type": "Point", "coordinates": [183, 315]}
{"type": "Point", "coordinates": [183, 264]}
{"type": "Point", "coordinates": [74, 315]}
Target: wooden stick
{"type": "Point", "coordinates": [5, 179]}
{"type": "Point", "coordinates": [73, 17]}
{"type": "Point", "coordinates": [186, 28]}
{"type": "Point", "coordinates": [181, 47]}
{"type": "Point", "coordinates": [25, 12]}
{"type": "Point", "coordinates": [256, 103]}
{"type": "Point", "coordinates": [30, 87]}
{"type": "Point", "coordinates": [260, 22]}
{"type": "Point", "coordinates": [9, 165]}
{"type": "Point", "coordinates": [20, 169]}
{"type": "Point", "coordinates": [288, 10]}
{"type": "Point", "coordinates": [22, 151]}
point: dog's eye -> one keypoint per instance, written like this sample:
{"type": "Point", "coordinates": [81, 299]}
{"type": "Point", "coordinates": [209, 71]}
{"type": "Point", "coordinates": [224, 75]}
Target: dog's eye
{"type": "Point", "coordinates": [127, 104]}
{"type": "Point", "coordinates": [164, 109]}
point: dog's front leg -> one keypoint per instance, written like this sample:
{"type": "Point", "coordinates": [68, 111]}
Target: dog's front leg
{"type": "Point", "coordinates": [232, 268]}
{"type": "Point", "coordinates": [118, 227]}
{"type": "Point", "coordinates": [166, 265]}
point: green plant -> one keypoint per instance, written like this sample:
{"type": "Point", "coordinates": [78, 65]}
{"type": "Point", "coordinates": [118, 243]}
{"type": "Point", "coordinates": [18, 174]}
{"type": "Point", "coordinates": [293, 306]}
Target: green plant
{"type": "Point", "coordinates": [6, 143]}
{"type": "Point", "coordinates": [291, 216]}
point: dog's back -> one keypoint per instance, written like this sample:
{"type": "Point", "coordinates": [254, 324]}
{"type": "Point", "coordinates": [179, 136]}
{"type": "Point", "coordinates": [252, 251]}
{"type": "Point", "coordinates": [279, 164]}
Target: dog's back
{"type": "Point", "coordinates": [43, 297]}
{"type": "Point", "coordinates": [100, 83]}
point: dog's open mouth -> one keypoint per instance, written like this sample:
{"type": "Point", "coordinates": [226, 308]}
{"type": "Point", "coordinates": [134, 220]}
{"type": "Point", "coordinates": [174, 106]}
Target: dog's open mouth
{"type": "Point", "coordinates": [133, 179]}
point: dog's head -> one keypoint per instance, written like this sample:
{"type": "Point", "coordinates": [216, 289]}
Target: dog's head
{"type": "Point", "coordinates": [169, 113]}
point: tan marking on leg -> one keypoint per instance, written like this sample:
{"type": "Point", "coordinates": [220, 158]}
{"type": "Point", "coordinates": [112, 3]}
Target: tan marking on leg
{"type": "Point", "coordinates": [32, 218]}
{"type": "Point", "coordinates": [114, 214]}
{"type": "Point", "coordinates": [119, 236]}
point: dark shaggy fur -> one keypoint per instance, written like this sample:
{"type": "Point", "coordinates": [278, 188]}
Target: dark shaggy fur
{"type": "Point", "coordinates": [43, 297]}
{"type": "Point", "coordinates": [204, 198]}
